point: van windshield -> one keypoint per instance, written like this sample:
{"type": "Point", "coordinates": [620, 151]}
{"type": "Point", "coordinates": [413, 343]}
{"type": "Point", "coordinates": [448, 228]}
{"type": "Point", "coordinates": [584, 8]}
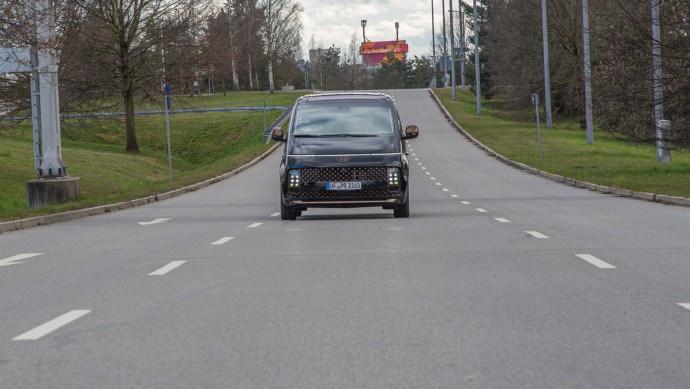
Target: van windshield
{"type": "Point", "coordinates": [343, 120]}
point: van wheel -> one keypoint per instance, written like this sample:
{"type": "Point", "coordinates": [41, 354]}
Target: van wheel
{"type": "Point", "coordinates": [403, 210]}
{"type": "Point", "coordinates": [286, 213]}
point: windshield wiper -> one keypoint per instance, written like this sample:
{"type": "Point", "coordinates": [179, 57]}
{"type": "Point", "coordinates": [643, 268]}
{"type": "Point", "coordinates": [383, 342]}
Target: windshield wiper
{"type": "Point", "coordinates": [306, 136]}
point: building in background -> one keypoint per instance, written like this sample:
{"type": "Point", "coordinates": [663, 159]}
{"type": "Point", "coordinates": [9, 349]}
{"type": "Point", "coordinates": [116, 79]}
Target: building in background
{"type": "Point", "coordinates": [374, 52]}
{"type": "Point", "coordinates": [315, 55]}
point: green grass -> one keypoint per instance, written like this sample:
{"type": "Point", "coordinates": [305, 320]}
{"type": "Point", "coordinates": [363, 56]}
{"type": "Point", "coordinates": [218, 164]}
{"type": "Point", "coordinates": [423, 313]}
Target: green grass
{"type": "Point", "coordinates": [209, 144]}
{"type": "Point", "coordinates": [608, 161]}
{"type": "Point", "coordinates": [204, 145]}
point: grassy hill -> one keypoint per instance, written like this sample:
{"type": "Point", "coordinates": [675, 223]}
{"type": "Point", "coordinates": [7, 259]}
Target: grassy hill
{"type": "Point", "coordinates": [608, 161]}
{"type": "Point", "coordinates": [204, 145]}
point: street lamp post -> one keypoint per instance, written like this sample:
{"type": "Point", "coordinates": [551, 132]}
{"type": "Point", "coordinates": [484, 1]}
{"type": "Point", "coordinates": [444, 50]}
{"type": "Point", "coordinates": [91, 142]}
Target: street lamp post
{"type": "Point", "coordinates": [452, 51]}
{"type": "Point", "coordinates": [477, 74]}
{"type": "Point", "coordinates": [364, 36]}
{"type": "Point", "coordinates": [445, 48]}
{"type": "Point", "coordinates": [462, 45]}
{"type": "Point", "coordinates": [547, 78]}
{"type": "Point", "coordinates": [588, 73]}
{"type": "Point", "coordinates": [433, 44]}
{"type": "Point", "coordinates": [663, 154]}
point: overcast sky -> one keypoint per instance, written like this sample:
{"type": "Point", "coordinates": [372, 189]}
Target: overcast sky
{"type": "Point", "coordinates": [332, 22]}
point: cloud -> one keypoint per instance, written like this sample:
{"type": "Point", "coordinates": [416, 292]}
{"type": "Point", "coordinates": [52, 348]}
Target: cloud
{"type": "Point", "coordinates": [334, 22]}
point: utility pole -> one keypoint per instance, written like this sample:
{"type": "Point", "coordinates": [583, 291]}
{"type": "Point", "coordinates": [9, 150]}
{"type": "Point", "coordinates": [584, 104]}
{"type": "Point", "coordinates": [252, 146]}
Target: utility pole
{"type": "Point", "coordinates": [53, 185]}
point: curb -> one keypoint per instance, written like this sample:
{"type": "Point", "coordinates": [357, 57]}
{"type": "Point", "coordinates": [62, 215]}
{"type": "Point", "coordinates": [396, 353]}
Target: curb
{"type": "Point", "coordinates": [82, 213]}
{"type": "Point", "coordinates": [651, 197]}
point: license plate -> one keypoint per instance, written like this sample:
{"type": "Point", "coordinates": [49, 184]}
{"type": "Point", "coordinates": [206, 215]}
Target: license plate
{"type": "Point", "coordinates": [344, 185]}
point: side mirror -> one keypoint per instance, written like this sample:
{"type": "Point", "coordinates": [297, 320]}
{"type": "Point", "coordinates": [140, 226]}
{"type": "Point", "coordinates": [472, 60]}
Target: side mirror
{"type": "Point", "coordinates": [411, 132]}
{"type": "Point", "coordinates": [277, 134]}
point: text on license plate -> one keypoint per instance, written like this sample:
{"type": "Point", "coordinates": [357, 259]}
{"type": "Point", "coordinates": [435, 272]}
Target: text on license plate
{"type": "Point", "coordinates": [344, 185]}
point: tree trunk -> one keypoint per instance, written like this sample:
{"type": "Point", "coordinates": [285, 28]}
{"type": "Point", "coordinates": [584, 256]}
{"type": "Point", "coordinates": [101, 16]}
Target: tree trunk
{"type": "Point", "coordinates": [251, 85]}
{"type": "Point", "coordinates": [235, 77]}
{"type": "Point", "coordinates": [132, 145]}
{"type": "Point", "coordinates": [271, 84]}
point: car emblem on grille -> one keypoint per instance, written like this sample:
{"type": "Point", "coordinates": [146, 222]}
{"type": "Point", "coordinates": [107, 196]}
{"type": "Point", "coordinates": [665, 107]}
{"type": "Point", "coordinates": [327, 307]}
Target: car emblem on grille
{"type": "Point", "coordinates": [343, 159]}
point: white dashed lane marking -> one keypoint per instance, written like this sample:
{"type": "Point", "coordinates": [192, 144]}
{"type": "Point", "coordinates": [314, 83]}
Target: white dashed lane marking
{"type": "Point", "coordinates": [45, 329]}
{"type": "Point", "coordinates": [275, 214]}
{"type": "Point", "coordinates": [466, 202]}
{"type": "Point", "coordinates": [19, 257]}
{"type": "Point", "coordinates": [155, 221]}
{"type": "Point", "coordinates": [254, 225]}
{"type": "Point", "coordinates": [537, 235]}
{"type": "Point", "coordinates": [685, 305]}
{"type": "Point", "coordinates": [482, 210]}
{"type": "Point", "coordinates": [502, 220]}
{"type": "Point", "coordinates": [167, 268]}
{"type": "Point", "coordinates": [595, 261]}
{"type": "Point", "coordinates": [223, 240]}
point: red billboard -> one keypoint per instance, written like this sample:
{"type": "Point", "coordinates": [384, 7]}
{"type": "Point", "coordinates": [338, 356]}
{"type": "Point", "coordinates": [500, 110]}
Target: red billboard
{"type": "Point", "coordinates": [374, 52]}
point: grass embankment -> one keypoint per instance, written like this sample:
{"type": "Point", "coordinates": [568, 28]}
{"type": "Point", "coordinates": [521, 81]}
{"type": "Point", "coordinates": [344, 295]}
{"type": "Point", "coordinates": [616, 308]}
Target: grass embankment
{"type": "Point", "coordinates": [204, 145]}
{"type": "Point", "coordinates": [608, 161]}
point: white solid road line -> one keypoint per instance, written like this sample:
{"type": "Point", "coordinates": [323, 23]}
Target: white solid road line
{"type": "Point", "coordinates": [254, 225]}
{"type": "Point", "coordinates": [52, 325]}
{"type": "Point", "coordinates": [223, 240]}
{"type": "Point", "coordinates": [502, 220]}
{"type": "Point", "coordinates": [685, 305]}
{"type": "Point", "coordinates": [537, 235]}
{"type": "Point", "coordinates": [167, 268]}
{"type": "Point", "coordinates": [13, 259]}
{"type": "Point", "coordinates": [595, 261]}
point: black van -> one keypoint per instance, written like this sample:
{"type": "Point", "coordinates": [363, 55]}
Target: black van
{"type": "Point", "coordinates": [344, 150]}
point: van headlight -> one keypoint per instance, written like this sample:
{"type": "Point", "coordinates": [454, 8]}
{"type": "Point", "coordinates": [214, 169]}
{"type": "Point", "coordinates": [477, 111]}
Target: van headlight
{"type": "Point", "coordinates": [393, 179]}
{"type": "Point", "coordinates": [294, 180]}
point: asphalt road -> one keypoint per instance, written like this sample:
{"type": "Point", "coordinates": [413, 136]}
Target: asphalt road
{"type": "Point", "coordinates": [499, 279]}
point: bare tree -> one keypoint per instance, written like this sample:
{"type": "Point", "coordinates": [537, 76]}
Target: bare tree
{"type": "Point", "coordinates": [125, 39]}
{"type": "Point", "coordinates": [281, 32]}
